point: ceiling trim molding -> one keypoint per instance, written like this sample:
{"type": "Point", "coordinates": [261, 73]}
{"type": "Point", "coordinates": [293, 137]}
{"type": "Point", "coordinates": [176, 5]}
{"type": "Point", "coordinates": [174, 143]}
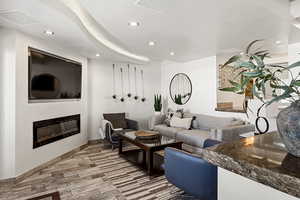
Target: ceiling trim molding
{"type": "Point", "coordinates": [94, 29]}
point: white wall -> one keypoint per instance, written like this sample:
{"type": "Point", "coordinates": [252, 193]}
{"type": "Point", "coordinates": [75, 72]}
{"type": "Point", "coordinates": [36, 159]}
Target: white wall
{"type": "Point", "coordinates": [101, 91]}
{"type": "Point", "coordinates": [23, 157]}
{"type": "Point", "coordinates": [7, 103]}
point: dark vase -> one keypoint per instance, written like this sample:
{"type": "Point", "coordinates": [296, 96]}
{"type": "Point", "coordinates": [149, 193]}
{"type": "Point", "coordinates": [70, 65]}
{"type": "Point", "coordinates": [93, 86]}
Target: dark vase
{"type": "Point", "coordinates": [288, 125]}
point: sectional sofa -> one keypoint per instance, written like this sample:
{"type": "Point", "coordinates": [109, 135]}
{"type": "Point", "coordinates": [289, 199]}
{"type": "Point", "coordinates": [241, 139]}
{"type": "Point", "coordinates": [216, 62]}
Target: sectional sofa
{"type": "Point", "coordinates": [203, 127]}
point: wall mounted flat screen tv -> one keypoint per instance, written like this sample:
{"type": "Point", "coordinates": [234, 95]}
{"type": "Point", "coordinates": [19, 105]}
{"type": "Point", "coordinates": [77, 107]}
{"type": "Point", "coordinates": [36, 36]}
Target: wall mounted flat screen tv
{"type": "Point", "coordinates": [53, 77]}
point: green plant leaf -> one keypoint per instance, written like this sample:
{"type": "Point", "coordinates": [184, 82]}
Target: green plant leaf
{"type": "Point", "coordinates": [262, 52]}
{"type": "Point", "coordinates": [296, 64]}
{"type": "Point", "coordinates": [252, 74]}
{"type": "Point", "coordinates": [256, 94]}
{"type": "Point", "coordinates": [265, 55]}
{"type": "Point", "coordinates": [297, 83]}
{"type": "Point", "coordinates": [258, 60]}
{"type": "Point", "coordinates": [257, 84]}
{"type": "Point", "coordinates": [268, 77]}
{"type": "Point", "coordinates": [235, 84]}
{"type": "Point", "coordinates": [239, 74]}
{"type": "Point", "coordinates": [276, 86]}
{"type": "Point", "coordinates": [229, 89]}
{"type": "Point", "coordinates": [232, 60]}
{"type": "Point", "coordinates": [285, 95]}
{"type": "Point", "coordinates": [248, 65]}
{"type": "Point", "coordinates": [263, 88]}
{"type": "Point", "coordinates": [250, 45]}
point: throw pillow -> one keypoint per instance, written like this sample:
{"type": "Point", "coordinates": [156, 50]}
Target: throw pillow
{"type": "Point", "coordinates": [179, 113]}
{"type": "Point", "coordinates": [192, 122]}
{"type": "Point", "coordinates": [170, 113]}
{"type": "Point", "coordinates": [181, 123]}
{"type": "Point", "coordinates": [117, 120]}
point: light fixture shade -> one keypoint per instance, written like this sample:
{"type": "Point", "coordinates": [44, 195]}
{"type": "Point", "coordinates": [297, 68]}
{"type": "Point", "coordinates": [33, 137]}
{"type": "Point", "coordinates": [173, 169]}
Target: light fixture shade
{"type": "Point", "coordinates": [134, 24]}
{"type": "Point", "coordinates": [49, 32]}
{"type": "Point", "coordinates": [151, 43]}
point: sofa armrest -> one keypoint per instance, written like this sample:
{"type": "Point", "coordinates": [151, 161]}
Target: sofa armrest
{"type": "Point", "coordinates": [232, 133]}
{"type": "Point", "coordinates": [132, 124]}
{"type": "Point", "coordinates": [155, 120]}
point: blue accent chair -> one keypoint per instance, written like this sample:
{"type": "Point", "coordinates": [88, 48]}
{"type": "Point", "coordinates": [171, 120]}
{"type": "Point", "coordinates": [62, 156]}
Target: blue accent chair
{"type": "Point", "coordinates": [192, 174]}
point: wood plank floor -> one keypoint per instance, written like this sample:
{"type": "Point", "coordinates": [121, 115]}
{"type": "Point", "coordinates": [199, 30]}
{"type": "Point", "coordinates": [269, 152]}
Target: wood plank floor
{"type": "Point", "coordinates": [94, 173]}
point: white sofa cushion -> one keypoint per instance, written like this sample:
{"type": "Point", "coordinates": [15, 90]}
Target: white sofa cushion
{"type": "Point", "coordinates": [181, 123]}
{"type": "Point", "coordinates": [207, 122]}
{"type": "Point", "coordinates": [170, 132]}
{"type": "Point", "coordinates": [193, 137]}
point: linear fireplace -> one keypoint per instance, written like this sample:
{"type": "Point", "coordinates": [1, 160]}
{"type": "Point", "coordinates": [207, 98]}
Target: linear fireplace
{"type": "Point", "coordinates": [51, 130]}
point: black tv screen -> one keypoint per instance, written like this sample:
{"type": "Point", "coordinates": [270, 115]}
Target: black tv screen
{"type": "Point", "coordinates": [53, 77]}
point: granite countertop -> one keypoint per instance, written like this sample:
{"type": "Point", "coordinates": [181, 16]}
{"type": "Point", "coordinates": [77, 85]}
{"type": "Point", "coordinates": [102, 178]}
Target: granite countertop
{"type": "Point", "coordinates": [260, 158]}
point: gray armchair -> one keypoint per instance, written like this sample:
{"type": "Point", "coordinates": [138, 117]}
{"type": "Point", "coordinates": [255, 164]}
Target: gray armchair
{"type": "Point", "coordinates": [118, 123]}
{"type": "Point", "coordinates": [132, 124]}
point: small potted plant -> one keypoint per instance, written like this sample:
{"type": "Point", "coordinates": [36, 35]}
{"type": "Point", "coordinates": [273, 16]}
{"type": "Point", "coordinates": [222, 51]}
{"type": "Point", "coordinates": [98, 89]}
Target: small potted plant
{"type": "Point", "coordinates": [253, 69]}
{"type": "Point", "coordinates": [157, 104]}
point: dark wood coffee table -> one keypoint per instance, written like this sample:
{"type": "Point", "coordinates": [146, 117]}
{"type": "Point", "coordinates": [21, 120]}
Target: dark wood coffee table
{"type": "Point", "coordinates": [146, 147]}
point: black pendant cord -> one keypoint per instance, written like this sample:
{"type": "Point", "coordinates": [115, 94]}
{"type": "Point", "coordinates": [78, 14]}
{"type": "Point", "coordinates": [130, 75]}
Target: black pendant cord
{"type": "Point", "coordinates": [129, 83]}
{"type": "Point", "coordinates": [143, 88]}
{"type": "Point", "coordinates": [122, 85]}
{"type": "Point", "coordinates": [136, 97]}
{"type": "Point", "coordinates": [114, 96]}
{"type": "Point", "coordinates": [261, 118]}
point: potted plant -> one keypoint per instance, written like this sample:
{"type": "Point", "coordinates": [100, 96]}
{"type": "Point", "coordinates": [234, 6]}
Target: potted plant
{"type": "Point", "coordinates": [253, 69]}
{"type": "Point", "coordinates": [157, 104]}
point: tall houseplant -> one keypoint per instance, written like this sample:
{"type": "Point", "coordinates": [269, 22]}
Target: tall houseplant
{"type": "Point", "coordinates": [253, 69]}
{"type": "Point", "coordinates": [157, 103]}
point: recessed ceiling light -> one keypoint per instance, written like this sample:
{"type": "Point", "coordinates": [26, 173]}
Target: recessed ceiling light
{"type": "Point", "coordinates": [172, 53]}
{"type": "Point", "coordinates": [97, 55]}
{"type": "Point", "coordinates": [48, 32]}
{"type": "Point", "coordinates": [242, 53]}
{"type": "Point", "coordinates": [278, 42]}
{"type": "Point", "coordinates": [151, 43]}
{"type": "Point", "coordinates": [134, 24]}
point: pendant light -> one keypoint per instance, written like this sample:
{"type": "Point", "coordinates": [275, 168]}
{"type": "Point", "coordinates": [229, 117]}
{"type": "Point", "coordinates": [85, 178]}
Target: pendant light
{"type": "Point", "coordinates": [114, 96]}
{"type": "Point", "coordinates": [122, 85]}
{"type": "Point", "coordinates": [143, 88]}
{"type": "Point", "coordinates": [129, 83]}
{"type": "Point", "coordinates": [136, 97]}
